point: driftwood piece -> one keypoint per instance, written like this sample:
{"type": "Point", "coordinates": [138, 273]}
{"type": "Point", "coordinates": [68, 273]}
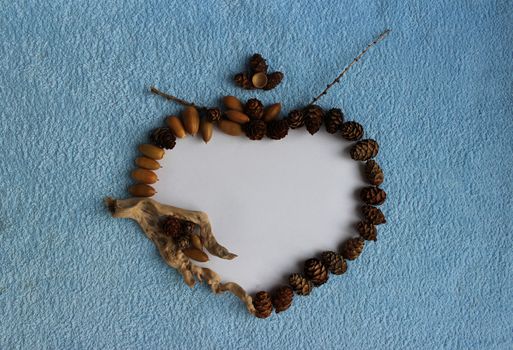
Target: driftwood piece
{"type": "Point", "coordinates": [148, 212]}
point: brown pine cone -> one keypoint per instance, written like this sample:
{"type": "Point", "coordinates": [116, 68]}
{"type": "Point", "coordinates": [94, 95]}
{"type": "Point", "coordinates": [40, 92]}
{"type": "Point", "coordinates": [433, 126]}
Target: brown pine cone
{"type": "Point", "coordinates": [352, 248]}
{"type": "Point", "coordinates": [367, 231]}
{"type": "Point", "coordinates": [254, 108]}
{"type": "Point", "coordinates": [255, 129]}
{"type": "Point", "coordinates": [182, 242]}
{"type": "Point", "coordinates": [333, 120]}
{"type": "Point", "coordinates": [273, 80]}
{"type": "Point", "coordinates": [188, 227]}
{"type": "Point", "coordinates": [334, 262]}
{"type": "Point", "coordinates": [295, 119]}
{"type": "Point", "coordinates": [171, 226]}
{"type": "Point", "coordinates": [282, 298]}
{"type": "Point", "coordinates": [313, 116]}
{"type": "Point", "coordinates": [364, 150]}
{"type": "Point", "coordinates": [373, 195]}
{"type": "Point", "coordinates": [351, 131]}
{"type": "Point", "coordinates": [213, 115]}
{"type": "Point", "coordinates": [316, 272]}
{"type": "Point", "coordinates": [373, 173]}
{"type": "Point", "coordinates": [257, 64]}
{"type": "Point", "coordinates": [277, 129]}
{"type": "Point", "coordinates": [263, 304]}
{"type": "Point", "coordinates": [163, 138]}
{"type": "Point", "coordinates": [242, 80]}
{"type": "Point", "coordinates": [300, 284]}
{"type": "Point", "coordinates": [373, 215]}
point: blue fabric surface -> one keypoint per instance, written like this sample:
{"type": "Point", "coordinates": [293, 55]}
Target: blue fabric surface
{"type": "Point", "coordinates": [74, 105]}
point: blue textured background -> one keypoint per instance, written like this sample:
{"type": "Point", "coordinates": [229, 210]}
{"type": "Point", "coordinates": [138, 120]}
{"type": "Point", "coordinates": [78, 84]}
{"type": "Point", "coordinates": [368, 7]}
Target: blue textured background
{"type": "Point", "coordinates": [74, 105]}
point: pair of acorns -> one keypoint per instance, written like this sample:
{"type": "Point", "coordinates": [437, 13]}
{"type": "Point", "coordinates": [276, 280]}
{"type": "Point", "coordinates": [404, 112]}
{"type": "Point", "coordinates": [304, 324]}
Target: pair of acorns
{"type": "Point", "coordinates": [257, 77]}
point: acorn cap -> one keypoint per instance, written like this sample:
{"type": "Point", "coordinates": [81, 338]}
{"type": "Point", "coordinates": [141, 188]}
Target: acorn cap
{"type": "Point", "coordinates": [259, 80]}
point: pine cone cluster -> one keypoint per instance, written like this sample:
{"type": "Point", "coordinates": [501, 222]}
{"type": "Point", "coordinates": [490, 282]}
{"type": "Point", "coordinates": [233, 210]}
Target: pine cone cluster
{"type": "Point", "coordinates": [333, 120]}
{"type": "Point", "coordinates": [282, 298]}
{"type": "Point", "coordinates": [373, 215]}
{"type": "Point", "coordinates": [277, 129]}
{"type": "Point", "coordinates": [257, 74]}
{"type": "Point", "coordinates": [263, 304]}
{"type": "Point", "coordinates": [364, 150]}
{"type": "Point", "coordinates": [295, 119]}
{"type": "Point", "coordinates": [334, 262]}
{"type": "Point", "coordinates": [171, 226]}
{"type": "Point", "coordinates": [163, 138]}
{"type": "Point", "coordinates": [316, 272]}
{"type": "Point", "coordinates": [352, 248]}
{"type": "Point", "coordinates": [373, 173]}
{"type": "Point", "coordinates": [300, 284]}
{"type": "Point", "coordinates": [255, 129]}
{"type": "Point", "coordinates": [313, 116]}
{"type": "Point", "coordinates": [213, 115]}
{"type": "Point", "coordinates": [373, 195]}
{"type": "Point", "coordinates": [367, 231]}
{"type": "Point", "coordinates": [254, 108]}
{"type": "Point", "coordinates": [273, 80]}
{"type": "Point", "coordinates": [351, 131]}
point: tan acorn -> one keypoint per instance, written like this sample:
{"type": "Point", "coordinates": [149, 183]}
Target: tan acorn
{"type": "Point", "coordinates": [196, 242]}
{"type": "Point", "coordinates": [175, 124]}
{"type": "Point", "coordinates": [233, 103]}
{"type": "Point", "coordinates": [147, 163]}
{"type": "Point", "coordinates": [144, 176]}
{"type": "Point", "coordinates": [236, 116]}
{"type": "Point", "coordinates": [272, 111]}
{"type": "Point", "coordinates": [206, 129]}
{"type": "Point", "coordinates": [141, 190]}
{"type": "Point", "coordinates": [195, 254]}
{"type": "Point", "coordinates": [191, 120]}
{"type": "Point", "coordinates": [229, 127]}
{"type": "Point", "coordinates": [151, 151]}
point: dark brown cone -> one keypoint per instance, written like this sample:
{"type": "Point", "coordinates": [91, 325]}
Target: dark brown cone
{"type": "Point", "coordinates": [364, 150]}
{"type": "Point", "coordinates": [300, 284]}
{"type": "Point", "coordinates": [373, 195]}
{"type": "Point", "coordinates": [333, 120]}
{"type": "Point", "coordinates": [295, 119]}
{"type": "Point", "coordinates": [373, 173]}
{"type": "Point", "coordinates": [254, 108]}
{"type": "Point", "coordinates": [351, 131]}
{"type": "Point", "coordinates": [373, 215]}
{"type": "Point", "coordinates": [263, 304]}
{"type": "Point", "coordinates": [282, 298]}
{"type": "Point", "coordinates": [242, 80]}
{"type": "Point", "coordinates": [255, 129]}
{"type": "Point", "coordinates": [213, 115]}
{"type": "Point", "coordinates": [257, 64]}
{"type": "Point", "coordinates": [163, 138]}
{"type": "Point", "coordinates": [367, 231]}
{"type": "Point", "coordinates": [352, 248]}
{"type": "Point", "coordinates": [334, 262]}
{"type": "Point", "coordinates": [273, 80]}
{"type": "Point", "coordinates": [316, 272]}
{"type": "Point", "coordinates": [171, 226]}
{"type": "Point", "coordinates": [277, 129]}
{"type": "Point", "coordinates": [313, 118]}
{"type": "Point", "coordinates": [188, 227]}
{"type": "Point", "coordinates": [182, 242]}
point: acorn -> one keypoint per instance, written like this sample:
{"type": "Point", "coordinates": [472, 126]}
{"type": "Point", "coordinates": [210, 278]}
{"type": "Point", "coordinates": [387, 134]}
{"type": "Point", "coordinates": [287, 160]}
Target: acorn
{"type": "Point", "coordinates": [206, 128]}
{"type": "Point", "coordinates": [151, 151]}
{"type": "Point", "coordinates": [195, 254]}
{"type": "Point", "coordinates": [229, 127]}
{"type": "Point", "coordinates": [144, 176]}
{"type": "Point", "coordinates": [141, 190]}
{"type": "Point", "coordinates": [147, 163]}
{"type": "Point", "coordinates": [191, 120]}
{"type": "Point", "coordinates": [233, 103]}
{"type": "Point", "coordinates": [176, 126]}
{"type": "Point", "coordinates": [236, 116]}
{"type": "Point", "coordinates": [271, 112]}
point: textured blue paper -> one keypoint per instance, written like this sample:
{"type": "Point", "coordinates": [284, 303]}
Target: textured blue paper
{"type": "Point", "coordinates": [74, 105]}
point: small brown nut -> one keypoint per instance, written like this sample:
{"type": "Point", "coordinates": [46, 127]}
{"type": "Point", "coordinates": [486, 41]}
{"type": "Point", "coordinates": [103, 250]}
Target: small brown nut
{"type": "Point", "coordinates": [195, 254]}
{"type": "Point", "coordinates": [151, 151]}
{"type": "Point", "coordinates": [236, 116]}
{"type": "Point", "coordinates": [144, 176]}
{"type": "Point", "coordinates": [259, 80]}
{"type": "Point", "coordinates": [191, 120]}
{"type": "Point", "coordinates": [229, 127]}
{"type": "Point", "coordinates": [176, 126]}
{"type": "Point", "coordinates": [206, 129]}
{"type": "Point", "coordinates": [147, 163]}
{"type": "Point", "coordinates": [272, 112]}
{"type": "Point", "coordinates": [196, 242]}
{"type": "Point", "coordinates": [233, 103]}
{"type": "Point", "coordinates": [141, 190]}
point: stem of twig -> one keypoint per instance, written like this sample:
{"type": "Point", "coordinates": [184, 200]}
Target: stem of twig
{"type": "Point", "coordinates": [172, 98]}
{"type": "Point", "coordinates": [344, 71]}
